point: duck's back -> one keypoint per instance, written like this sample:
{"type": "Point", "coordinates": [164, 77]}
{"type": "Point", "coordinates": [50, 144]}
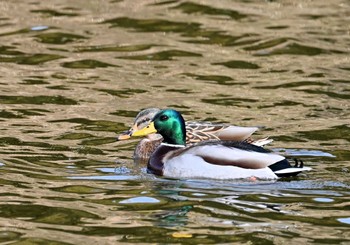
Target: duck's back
{"type": "Point", "coordinates": [202, 131]}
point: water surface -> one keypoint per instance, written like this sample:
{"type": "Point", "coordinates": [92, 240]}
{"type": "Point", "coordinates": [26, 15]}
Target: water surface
{"type": "Point", "coordinates": [75, 73]}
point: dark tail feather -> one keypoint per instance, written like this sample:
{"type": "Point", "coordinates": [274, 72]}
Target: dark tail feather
{"type": "Point", "coordinates": [283, 168]}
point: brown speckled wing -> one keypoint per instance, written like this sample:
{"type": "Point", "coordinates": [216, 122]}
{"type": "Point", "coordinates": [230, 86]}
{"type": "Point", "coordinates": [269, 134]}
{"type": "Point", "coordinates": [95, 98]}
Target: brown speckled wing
{"type": "Point", "coordinates": [196, 132]}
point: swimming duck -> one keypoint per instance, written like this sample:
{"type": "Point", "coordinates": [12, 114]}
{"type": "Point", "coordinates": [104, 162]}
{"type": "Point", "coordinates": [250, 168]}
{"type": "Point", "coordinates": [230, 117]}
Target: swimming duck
{"type": "Point", "coordinates": [210, 159]}
{"type": "Point", "coordinates": [195, 132]}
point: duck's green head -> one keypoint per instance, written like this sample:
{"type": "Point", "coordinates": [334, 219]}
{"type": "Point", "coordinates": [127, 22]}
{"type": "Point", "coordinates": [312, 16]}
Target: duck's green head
{"type": "Point", "coordinates": [168, 123]}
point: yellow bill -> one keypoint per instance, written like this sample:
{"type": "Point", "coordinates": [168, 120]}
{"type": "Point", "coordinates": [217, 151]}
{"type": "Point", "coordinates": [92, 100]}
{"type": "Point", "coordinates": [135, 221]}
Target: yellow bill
{"type": "Point", "coordinates": [150, 129]}
{"type": "Point", "coordinates": [124, 136]}
{"type": "Point", "coordinates": [127, 135]}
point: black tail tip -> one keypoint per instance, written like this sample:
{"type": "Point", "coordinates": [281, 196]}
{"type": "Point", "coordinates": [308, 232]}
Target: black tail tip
{"type": "Point", "coordinates": [298, 163]}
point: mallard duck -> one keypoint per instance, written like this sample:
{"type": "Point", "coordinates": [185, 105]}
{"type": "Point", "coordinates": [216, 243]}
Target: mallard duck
{"type": "Point", "coordinates": [210, 159]}
{"type": "Point", "coordinates": [195, 132]}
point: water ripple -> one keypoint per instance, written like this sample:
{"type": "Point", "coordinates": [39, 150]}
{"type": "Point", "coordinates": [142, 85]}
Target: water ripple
{"type": "Point", "coordinates": [73, 76]}
{"type": "Point", "coordinates": [193, 8]}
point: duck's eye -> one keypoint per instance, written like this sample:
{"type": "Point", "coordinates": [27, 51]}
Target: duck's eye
{"type": "Point", "coordinates": [164, 117]}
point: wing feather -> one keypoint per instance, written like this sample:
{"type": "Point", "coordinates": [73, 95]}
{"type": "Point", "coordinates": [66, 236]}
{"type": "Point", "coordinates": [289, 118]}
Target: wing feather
{"type": "Point", "coordinates": [202, 131]}
{"type": "Point", "coordinates": [224, 155]}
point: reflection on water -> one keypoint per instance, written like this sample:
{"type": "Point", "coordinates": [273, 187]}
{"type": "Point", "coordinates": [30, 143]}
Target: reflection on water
{"type": "Point", "coordinates": [76, 73]}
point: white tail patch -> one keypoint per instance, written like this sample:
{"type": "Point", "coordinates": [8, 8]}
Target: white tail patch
{"type": "Point", "coordinates": [292, 170]}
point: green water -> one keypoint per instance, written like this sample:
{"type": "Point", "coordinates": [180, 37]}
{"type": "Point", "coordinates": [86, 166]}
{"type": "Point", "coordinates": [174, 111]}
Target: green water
{"type": "Point", "coordinates": [75, 73]}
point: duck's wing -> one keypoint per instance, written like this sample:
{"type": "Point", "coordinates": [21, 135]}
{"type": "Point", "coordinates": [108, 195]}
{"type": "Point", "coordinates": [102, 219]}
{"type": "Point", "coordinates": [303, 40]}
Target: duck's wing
{"type": "Point", "coordinates": [231, 153]}
{"type": "Point", "coordinates": [235, 133]}
{"type": "Point", "coordinates": [259, 142]}
{"type": "Point", "coordinates": [244, 156]}
{"type": "Point", "coordinates": [202, 131]}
